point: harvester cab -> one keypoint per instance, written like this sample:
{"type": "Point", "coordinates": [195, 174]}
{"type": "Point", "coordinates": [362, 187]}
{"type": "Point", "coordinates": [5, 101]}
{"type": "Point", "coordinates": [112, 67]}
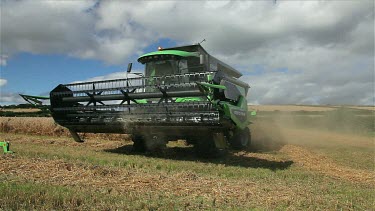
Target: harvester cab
{"type": "Point", "coordinates": [185, 94]}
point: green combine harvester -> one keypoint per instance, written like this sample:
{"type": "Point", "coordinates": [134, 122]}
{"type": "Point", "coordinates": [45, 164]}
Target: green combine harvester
{"type": "Point", "coordinates": [185, 93]}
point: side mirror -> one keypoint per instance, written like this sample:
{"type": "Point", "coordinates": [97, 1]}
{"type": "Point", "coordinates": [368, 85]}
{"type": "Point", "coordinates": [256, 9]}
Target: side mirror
{"type": "Point", "coordinates": [129, 67]}
{"type": "Point", "coordinates": [201, 59]}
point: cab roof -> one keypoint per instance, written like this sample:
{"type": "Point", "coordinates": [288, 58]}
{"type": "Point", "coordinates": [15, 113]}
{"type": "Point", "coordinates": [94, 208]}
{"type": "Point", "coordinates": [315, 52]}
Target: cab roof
{"type": "Point", "coordinates": [192, 50]}
{"type": "Point", "coordinates": [167, 53]}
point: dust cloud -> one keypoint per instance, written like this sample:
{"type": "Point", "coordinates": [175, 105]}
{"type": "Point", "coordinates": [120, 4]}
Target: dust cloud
{"type": "Point", "coordinates": [273, 130]}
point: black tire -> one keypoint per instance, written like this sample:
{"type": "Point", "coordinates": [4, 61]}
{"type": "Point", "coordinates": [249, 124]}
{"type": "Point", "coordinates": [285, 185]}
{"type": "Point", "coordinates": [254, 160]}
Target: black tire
{"type": "Point", "coordinates": [241, 139]}
{"type": "Point", "coordinates": [138, 143]}
{"type": "Point", "coordinates": [206, 148]}
{"type": "Point", "coordinates": [155, 142]}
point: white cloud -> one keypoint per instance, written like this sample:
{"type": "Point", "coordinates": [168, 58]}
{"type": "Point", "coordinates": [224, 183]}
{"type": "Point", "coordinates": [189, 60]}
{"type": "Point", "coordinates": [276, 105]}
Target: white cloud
{"type": "Point", "coordinates": [7, 98]}
{"type": "Point", "coordinates": [326, 46]}
{"type": "Point", "coordinates": [115, 75]}
{"type": "Point", "coordinates": [62, 27]}
{"type": "Point", "coordinates": [45, 26]}
{"type": "Point", "coordinates": [3, 82]}
{"type": "Point", "coordinates": [3, 60]}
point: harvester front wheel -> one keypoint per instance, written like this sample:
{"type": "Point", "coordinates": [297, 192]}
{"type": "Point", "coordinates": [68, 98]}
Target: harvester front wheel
{"type": "Point", "coordinates": [241, 139]}
{"type": "Point", "coordinates": [206, 148]}
{"type": "Point", "coordinates": [138, 143]}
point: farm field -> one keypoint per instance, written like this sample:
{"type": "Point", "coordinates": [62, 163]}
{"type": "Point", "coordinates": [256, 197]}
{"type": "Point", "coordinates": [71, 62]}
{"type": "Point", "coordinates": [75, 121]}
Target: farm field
{"type": "Point", "coordinates": [290, 108]}
{"type": "Point", "coordinates": [301, 159]}
{"type": "Point", "coordinates": [305, 107]}
{"type": "Point", "coordinates": [22, 110]}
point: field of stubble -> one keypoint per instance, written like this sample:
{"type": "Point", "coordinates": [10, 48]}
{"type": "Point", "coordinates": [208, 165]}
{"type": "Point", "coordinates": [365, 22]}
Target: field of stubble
{"type": "Point", "coordinates": [300, 159]}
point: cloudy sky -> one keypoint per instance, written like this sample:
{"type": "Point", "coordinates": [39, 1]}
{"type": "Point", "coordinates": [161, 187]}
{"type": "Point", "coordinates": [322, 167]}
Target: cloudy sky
{"type": "Point", "coordinates": [290, 52]}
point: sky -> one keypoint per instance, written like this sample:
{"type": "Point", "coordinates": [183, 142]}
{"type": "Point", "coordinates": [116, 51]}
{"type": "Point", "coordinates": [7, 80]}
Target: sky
{"type": "Point", "coordinates": [290, 52]}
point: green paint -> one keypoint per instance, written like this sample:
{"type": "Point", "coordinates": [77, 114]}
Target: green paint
{"type": "Point", "coordinates": [253, 113]}
{"type": "Point", "coordinates": [6, 147]}
{"type": "Point", "coordinates": [188, 99]}
{"type": "Point", "coordinates": [226, 108]}
{"type": "Point", "coordinates": [229, 110]}
{"type": "Point", "coordinates": [209, 78]}
{"type": "Point", "coordinates": [212, 85]}
{"type": "Point", "coordinates": [170, 52]}
{"type": "Point", "coordinates": [142, 101]}
{"type": "Point", "coordinates": [152, 73]}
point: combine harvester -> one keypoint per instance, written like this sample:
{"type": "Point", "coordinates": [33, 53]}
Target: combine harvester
{"type": "Point", "coordinates": [185, 94]}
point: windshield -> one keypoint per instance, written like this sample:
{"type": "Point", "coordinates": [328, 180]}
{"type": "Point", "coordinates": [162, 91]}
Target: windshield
{"type": "Point", "coordinates": [166, 67]}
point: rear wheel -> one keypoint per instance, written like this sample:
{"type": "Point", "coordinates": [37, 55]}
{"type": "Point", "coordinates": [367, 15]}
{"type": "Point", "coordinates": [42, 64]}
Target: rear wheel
{"type": "Point", "coordinates": [241, 139]}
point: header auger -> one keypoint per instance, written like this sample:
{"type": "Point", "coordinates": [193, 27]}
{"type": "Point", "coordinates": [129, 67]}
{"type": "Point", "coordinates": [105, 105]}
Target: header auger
{"type": "Point", "coordinates": [185, 93]}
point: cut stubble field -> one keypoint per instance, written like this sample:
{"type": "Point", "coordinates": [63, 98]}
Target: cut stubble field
{"type": "Point", "coordinates": [290, 166]}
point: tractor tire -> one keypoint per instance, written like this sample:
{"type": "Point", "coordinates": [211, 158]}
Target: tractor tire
{"type": "Point", "coordinates": [154, 143]}
{"type": "Point", "coordinates": [206, 148]}
{"type": "Point", "coordinates": [138, 144]}
{"type": "Point", "coordinates": [241, 139]}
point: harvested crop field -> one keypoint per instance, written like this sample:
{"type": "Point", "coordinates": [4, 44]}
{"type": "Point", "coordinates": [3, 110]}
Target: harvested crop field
{"type": "Point", "coordinates": [297, 162]}
{"type": "Point", "coordinates": [22, 110]}
{"type": "Point", "coordinates": [290, 108]}
{"type": "Point", "coordinates": [305, 108]}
